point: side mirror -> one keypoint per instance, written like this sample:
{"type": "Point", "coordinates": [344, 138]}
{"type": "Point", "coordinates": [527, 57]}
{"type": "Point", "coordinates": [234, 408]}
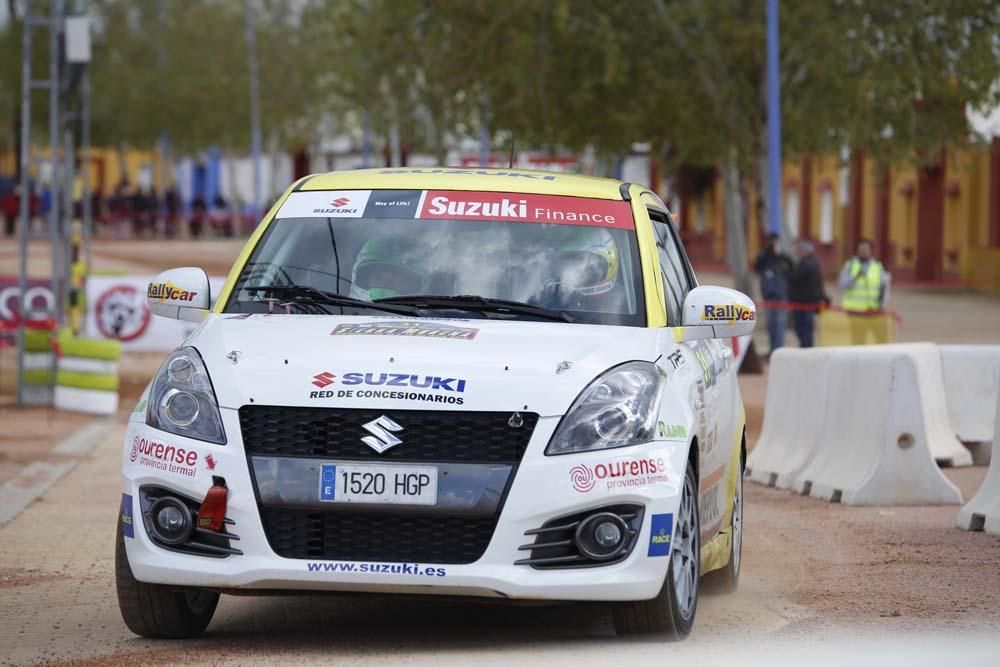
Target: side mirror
{"type": "Point", "coordinates": [180, 294]}
{"type": "Point", "coordinates": [729, 313]}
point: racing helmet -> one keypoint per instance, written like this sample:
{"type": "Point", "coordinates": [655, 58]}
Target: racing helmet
{"type": "Point", "coordinates": [586, 262]}
{"type": "Point", "coordinates": [383, 268]}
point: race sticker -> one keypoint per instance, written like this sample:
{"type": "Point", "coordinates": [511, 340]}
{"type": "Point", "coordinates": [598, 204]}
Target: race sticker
{"type": "Point", "coordinates": [128, 529]}
{"type": "Point", "coordinates": [520, 207]}
{"type": "Point", "coordinates": [418, 329]}
{"type": "Point", "coordinates": [325, 204]}
{"type": "Point", "coordinates": [661, 529]}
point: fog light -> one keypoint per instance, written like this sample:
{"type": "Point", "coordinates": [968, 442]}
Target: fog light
{"type": "Point", "coordinates": [171, 521]}
{"type": "Point", "coordinates": [608, 534]}
{"type": "Point", "coordinates": [601, 536]}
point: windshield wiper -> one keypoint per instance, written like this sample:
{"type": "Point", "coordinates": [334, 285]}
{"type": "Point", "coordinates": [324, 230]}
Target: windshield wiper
{"type": "Point", "coordinates": [478, 303]}
{"type": "Point", "coordinates": [302, 295]}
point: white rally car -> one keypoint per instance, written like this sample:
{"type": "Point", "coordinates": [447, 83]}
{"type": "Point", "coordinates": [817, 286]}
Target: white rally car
{"type": "Point", "coordinates": [492, 383]}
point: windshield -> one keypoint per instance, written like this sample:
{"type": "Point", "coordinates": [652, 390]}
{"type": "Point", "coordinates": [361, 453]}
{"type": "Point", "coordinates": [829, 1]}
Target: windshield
{"type": "Point", "coordinates": [568, 254]}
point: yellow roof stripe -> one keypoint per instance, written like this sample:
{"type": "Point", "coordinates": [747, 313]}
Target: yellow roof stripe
{"type": "Point", "coordinates": [456, 178]}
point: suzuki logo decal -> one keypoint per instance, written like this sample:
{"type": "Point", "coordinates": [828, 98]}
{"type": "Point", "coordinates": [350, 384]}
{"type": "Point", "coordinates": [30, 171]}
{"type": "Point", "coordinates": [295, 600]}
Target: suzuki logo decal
{"type": "Point", "coordinates": [324, 379]}
{"type": "Point", "coordinates": [381, 439]}
{"type": "Point", "coordinates": [340, 202]}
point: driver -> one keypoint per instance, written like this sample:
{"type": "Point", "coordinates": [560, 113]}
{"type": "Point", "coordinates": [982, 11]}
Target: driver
{"type": "Point", "coordinates": [383, 269]}
{"type": "Point", "coordinates": [583, 270]}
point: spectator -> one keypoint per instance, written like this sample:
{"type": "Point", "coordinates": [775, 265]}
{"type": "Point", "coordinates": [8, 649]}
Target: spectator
{"type": "Point", "coordinates": [10, 206]}
{"type": "Point", "coordinates": [197, 220]}
{"type": "Point", "coordinates": [866, 290]}
{"type": "Point", "coordinates": [221, 219]}
{"type": "Point", "coordinates": [773, 266]}
{"type": "Point", "coordinates": [172, 209]}
{"type": "Point", "coordinates": [807, 293]}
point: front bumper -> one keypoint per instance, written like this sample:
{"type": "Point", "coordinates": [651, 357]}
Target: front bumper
{"type": "Point", "coordinates": [544, 487]}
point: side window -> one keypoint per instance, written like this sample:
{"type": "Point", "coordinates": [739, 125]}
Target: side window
{"type": "Point", "coordinates": [675, 284]}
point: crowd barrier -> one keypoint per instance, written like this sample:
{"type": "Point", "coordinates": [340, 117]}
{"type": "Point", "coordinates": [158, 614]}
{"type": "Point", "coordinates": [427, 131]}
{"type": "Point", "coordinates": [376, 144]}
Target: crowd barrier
{"type": "Point", "coordinates": [859, 425]}
{"type": "Point", "coordinates": [983, 511]}
{"type": "Point", "coordinates": [972, 384]}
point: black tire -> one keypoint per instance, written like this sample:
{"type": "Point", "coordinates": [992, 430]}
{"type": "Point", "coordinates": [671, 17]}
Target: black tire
{"type": "Point", "coordinates": [156, 611]}
{"type": "Point", "coordinates": [727, 580]}
{"type": "Point", "coordinates": [665, 614]}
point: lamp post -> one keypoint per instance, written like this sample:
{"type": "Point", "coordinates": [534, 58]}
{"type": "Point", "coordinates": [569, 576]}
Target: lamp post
{"type": "Point", "coordinates": [773, 122]}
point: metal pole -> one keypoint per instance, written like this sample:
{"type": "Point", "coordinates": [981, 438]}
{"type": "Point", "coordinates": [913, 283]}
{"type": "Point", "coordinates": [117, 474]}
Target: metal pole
{"type": "Point", "coordinates": [484, 134]}
{"type": "Point", "coordinates": [773, 122]}
{"type": "Point", "coordinates": [24, 226]}
{"type": "Point", "coordinates": [366, 140]}
{"type": "Point", "coordinates": [88, 216]}
{"type": "Point", "coordinates": [55, 26]}
{"type": "Point", "coordinates": [254, 105]}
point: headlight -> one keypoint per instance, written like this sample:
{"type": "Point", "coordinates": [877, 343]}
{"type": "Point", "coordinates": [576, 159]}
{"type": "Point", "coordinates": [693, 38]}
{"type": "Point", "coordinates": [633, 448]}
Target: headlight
{"type": "Point", "coordinates": [182, 401]}
{"type": "Point", "coordinates": [617, 409]}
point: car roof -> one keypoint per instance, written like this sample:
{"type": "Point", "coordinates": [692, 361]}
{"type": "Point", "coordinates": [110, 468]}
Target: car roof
{"type": "Point", "coordinates": [476, 179]}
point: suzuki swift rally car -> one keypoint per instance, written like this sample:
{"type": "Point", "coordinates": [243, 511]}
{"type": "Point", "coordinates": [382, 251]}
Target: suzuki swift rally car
{"type": "Point", "coordinates": [491, 383]}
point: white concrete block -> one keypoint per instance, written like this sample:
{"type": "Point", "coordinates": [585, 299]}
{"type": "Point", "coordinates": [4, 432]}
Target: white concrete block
{"type": "Point", "coordinates": [884, 424]}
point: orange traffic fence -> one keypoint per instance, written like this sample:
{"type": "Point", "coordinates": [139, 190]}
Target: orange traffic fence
{"type": "Point", "coordinates": [836, 326]}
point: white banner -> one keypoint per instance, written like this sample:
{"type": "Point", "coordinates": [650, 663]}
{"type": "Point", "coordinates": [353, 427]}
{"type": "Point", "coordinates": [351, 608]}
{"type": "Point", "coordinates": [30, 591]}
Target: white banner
{"type": "Point", "coordinates": [117, 310]}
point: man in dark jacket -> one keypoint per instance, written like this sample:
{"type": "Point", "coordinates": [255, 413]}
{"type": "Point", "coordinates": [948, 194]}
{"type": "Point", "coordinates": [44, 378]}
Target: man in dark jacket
{"type": "Point", "coordinates": [807, 293]}
{"type": "Point", "coordinates": [773, 266]}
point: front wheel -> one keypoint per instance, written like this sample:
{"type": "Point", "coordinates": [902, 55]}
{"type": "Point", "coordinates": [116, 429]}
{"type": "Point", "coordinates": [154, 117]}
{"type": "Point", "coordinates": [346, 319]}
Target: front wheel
{"type": "Point", "coordinates": [671, 613]}
{"type": "Point", "coordinates": [157, 611]}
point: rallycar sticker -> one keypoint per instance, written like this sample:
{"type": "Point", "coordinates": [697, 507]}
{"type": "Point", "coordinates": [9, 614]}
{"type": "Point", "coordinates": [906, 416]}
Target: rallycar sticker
{"type": "Point", "coordinates": [728, 313]}
{"type": "Point", "coordinates": [520, 207]}
{"type": "Point", "coordinates": [128, 529]}
{"type": "Point", "coordinates": [413, 329]}
{"type": "Point", "coordinates": [661, 530]}
{"type": "Point", "coordinates": [325, 204]}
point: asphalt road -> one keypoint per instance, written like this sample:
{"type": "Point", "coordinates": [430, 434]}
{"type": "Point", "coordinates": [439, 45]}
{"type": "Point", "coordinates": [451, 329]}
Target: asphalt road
{"type": "Point", "coordinates": [821, 584]}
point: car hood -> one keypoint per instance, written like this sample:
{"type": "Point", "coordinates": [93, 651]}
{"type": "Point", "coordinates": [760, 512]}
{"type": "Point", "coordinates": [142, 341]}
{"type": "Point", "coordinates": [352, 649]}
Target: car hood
{"type": "Point", "coordinates": [415, 363]}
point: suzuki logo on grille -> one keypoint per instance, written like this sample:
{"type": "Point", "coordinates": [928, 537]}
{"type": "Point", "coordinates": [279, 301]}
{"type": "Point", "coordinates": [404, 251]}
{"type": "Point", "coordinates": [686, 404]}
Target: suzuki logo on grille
{"type": "Point", "coordinates": [324, 379]}
{"type": "Point", "coordinates": [340, 201]}
{"type": "Point", "coordinates": [381, 439]}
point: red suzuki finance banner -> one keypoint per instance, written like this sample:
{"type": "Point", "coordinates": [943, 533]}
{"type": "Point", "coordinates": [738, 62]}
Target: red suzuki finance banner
{"type": "Point", "coordinates": [517, 207]}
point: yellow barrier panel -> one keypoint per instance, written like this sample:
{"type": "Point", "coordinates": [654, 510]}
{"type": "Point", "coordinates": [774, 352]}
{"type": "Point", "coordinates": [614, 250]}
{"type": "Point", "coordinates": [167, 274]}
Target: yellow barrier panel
{"type": "Point", "coordinates": [836, 327]}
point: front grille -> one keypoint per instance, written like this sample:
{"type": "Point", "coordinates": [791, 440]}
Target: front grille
{"type": "Point", "coordinates": [387, 538]}
{"type": "Point", "coordinates": [441, 436]}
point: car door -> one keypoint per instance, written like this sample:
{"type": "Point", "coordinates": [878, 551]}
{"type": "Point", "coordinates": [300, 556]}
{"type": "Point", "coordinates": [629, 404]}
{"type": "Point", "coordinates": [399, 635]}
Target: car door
{"type": "Point", "coordinates": [714, 389]}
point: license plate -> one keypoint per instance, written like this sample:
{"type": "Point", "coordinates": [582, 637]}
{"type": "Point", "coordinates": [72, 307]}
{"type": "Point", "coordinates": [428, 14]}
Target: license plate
{"type": "Point", "coordinates": [378, 484]}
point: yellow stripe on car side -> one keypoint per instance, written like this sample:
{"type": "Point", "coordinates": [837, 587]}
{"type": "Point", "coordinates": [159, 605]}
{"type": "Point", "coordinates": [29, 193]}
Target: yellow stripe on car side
{"type": "Point", "coordinates": [656, 309]}
{"type": "Point", "coordinates": [715, 553]}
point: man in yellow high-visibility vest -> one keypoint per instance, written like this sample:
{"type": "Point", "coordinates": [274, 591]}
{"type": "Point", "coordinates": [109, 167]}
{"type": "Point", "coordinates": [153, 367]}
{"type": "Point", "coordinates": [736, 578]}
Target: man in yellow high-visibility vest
{"type": "Point", "coordinates": [866, 289]}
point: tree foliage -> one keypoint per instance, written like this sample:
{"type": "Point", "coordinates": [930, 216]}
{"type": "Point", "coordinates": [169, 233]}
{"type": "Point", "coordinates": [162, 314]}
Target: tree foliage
{"type": "Point", "coordinates": [686, 75]}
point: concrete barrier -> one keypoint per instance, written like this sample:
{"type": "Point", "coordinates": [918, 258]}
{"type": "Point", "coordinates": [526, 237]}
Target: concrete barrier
{"type": "Point", "coordinates": [983, 511]}
{"type": "Point", "coordinates": [972, 387]}
{"type": "Point", "coordinates": [795, 405]}
{"type": "Point", "coordinates": [884, 425]}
